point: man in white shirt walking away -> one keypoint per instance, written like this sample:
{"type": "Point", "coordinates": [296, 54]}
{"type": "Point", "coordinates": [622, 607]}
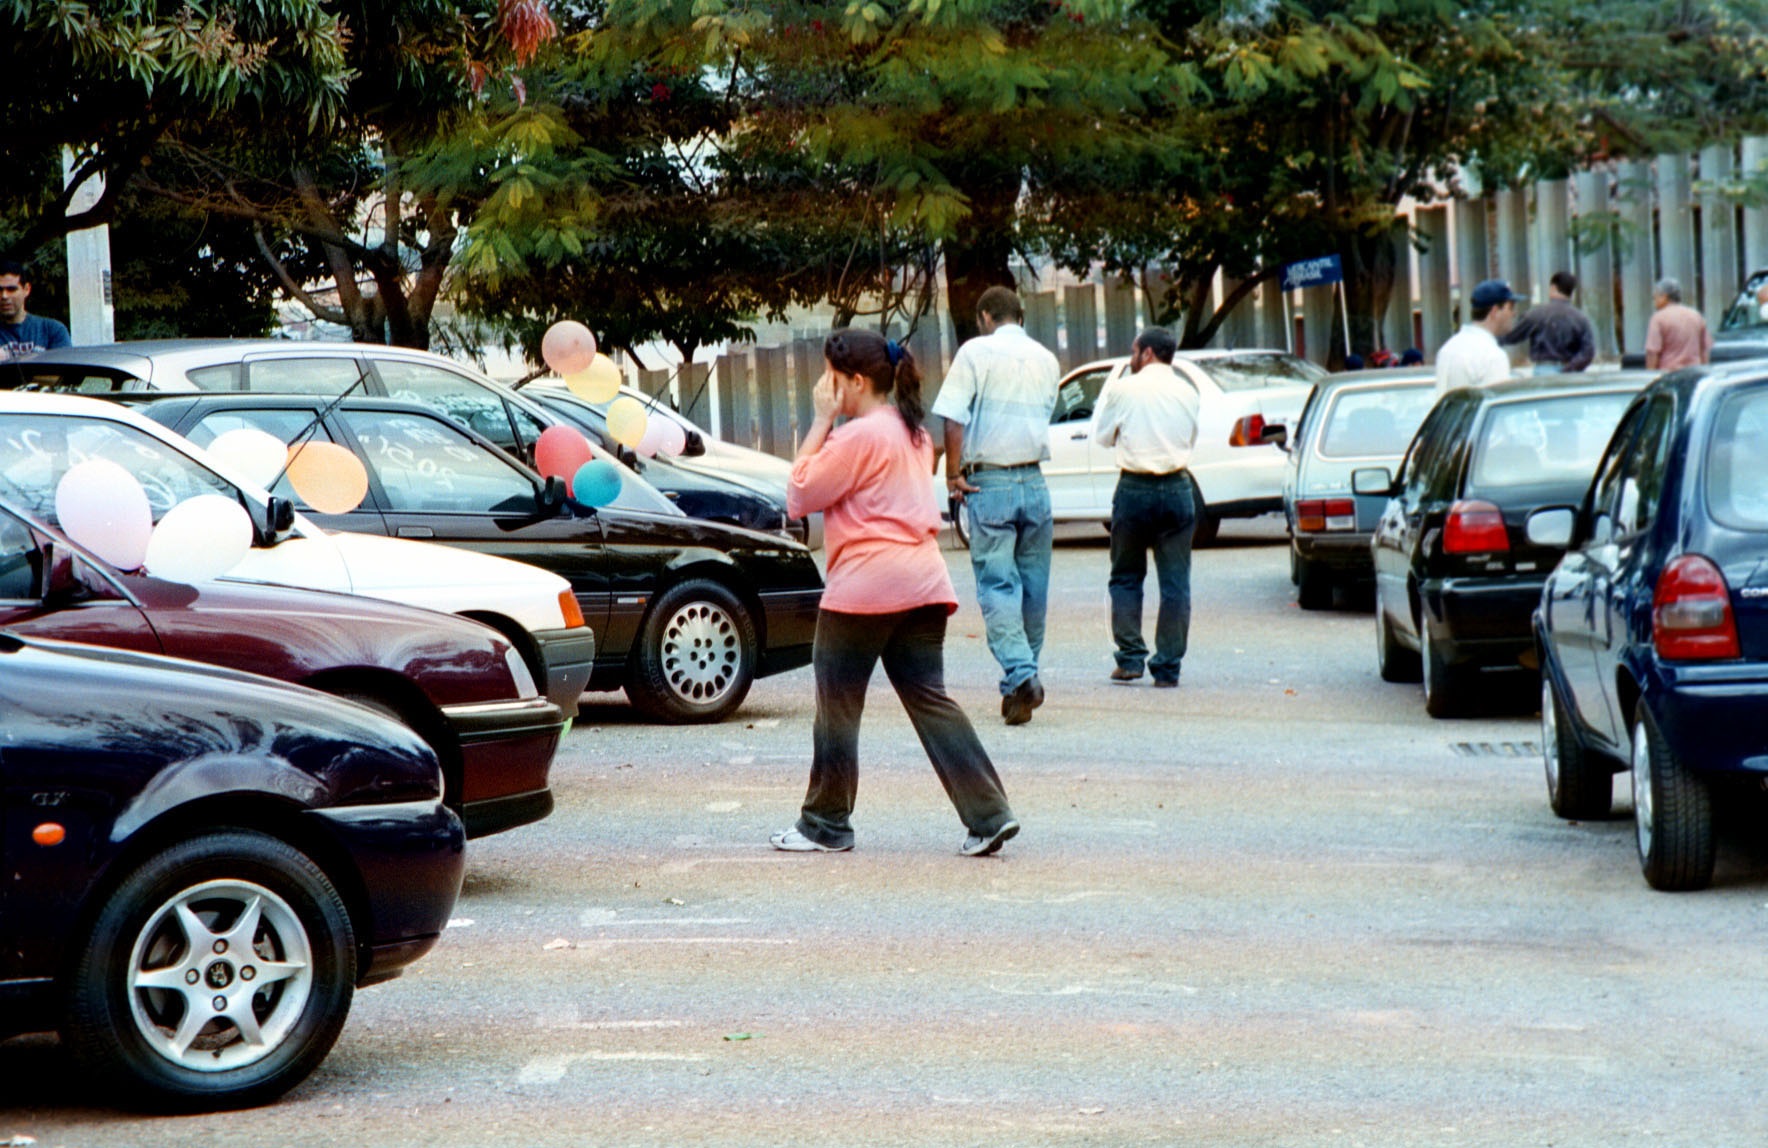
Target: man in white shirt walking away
{"type": "Point", "coordinates": [996, 402]}
{"type": "Point", "coordinates": [1472, 357]}
{"type": "Point", "coordinates": [1150, 415]}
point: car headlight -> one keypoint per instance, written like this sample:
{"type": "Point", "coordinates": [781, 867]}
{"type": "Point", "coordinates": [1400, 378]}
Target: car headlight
{"type": "Point", "coordinates": [519, 671]}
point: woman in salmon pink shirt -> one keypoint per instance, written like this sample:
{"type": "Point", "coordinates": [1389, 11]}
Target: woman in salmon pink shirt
{"type": "Point", "coordinates": [888, 594]}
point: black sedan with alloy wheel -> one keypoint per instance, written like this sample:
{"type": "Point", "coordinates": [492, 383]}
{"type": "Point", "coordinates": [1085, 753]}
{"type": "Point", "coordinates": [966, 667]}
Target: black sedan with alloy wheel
{"type": "Point", "coordinates": [686, 612]}
{"type": "Point", "coordinates": [202, 866]}
{"type": "Point", "coordinates": [1456, 576]}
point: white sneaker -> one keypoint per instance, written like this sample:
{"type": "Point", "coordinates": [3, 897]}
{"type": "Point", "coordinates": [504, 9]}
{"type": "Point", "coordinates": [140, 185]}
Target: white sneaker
{"type": "Point", "coordinates": [792, 841]}
{"type": "Point", "coordinates": [976, 846]}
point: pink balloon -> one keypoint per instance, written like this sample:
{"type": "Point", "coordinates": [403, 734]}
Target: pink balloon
{"type": "Point", "coordinates": [103, 508]}
{"type": "Point", "coordinates": [663, 435]}
{"type": "Point", "coordinates": [559, 451]}
{"type": "Point", "coordinates": [568, 347]}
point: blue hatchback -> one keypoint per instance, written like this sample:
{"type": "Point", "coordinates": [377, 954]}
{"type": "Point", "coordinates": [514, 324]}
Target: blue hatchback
{"type": "Point", "coordinates": [1653, 631]}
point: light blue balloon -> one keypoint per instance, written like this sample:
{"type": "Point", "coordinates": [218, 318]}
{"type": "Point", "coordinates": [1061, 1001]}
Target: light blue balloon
{"type": "Point", "coordinates": [596, 483]}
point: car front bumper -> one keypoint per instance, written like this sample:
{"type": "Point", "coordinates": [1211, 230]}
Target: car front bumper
{"type": "Point", "coordinates": [411, 857]}
{"type": "Point", "coordinates": [791, 628]}
{"type": "Point", "coordinates": [506, 752]}
{"type": "Point", "coordinates": [566, 659]}
{"type": "Point", "coordinates": [1713, 716]}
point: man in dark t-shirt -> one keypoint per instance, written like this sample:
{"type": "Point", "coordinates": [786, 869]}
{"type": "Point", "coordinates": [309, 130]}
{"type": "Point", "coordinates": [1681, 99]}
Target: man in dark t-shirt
{"type": "Point", "coordinates": [1560, 337]}
{"type": "Point", "coordinates": [23, 334]}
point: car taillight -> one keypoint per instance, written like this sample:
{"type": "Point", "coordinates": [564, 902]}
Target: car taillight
{"type": "Point", "coordinates": [1316, 515]}
{"type": "Point", "coordinates": [1691, 612]}
{"type": "Point", "coordinates": [1248, 431]}
{"type": "Point", "coordinates": [568, 606]}
{"type": "Point", "coordinates": [1475, 528]}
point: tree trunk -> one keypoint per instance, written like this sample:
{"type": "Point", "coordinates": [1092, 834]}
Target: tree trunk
{"type": "Point", "coordinates": [977, 253]}
{"type": "Point", "coordinates": [1368, 282]}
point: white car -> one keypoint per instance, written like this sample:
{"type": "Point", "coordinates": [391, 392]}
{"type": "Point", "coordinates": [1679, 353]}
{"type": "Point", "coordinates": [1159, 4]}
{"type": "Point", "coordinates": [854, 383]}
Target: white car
{"type": "Point", "coordinates": [1232, 482]}
{"type": "Point", "coordinates": [42, 436]}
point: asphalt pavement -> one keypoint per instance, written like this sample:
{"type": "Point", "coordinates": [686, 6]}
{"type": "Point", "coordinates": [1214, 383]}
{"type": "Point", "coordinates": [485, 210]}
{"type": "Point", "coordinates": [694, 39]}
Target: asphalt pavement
{"type": "Point", "coordinates": [1277, 906]}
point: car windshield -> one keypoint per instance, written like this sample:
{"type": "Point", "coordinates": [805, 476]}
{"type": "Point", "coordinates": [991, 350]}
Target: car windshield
{"type": "Point", "coordinates": [1253, 370]}
{"type": "Point", "coordinates": [1737, 461]}
{"type": "Point", "coordinates": [1534, 442]}
{"type": "Point", "coordinates": [36, 450]}
{"type": "Point", "coordinates": [1374, 423]}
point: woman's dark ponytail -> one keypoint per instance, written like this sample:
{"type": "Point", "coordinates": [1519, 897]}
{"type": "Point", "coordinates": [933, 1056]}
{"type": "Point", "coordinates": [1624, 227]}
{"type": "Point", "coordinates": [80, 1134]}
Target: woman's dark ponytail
{"type": "Point", "coordinates": [887, 364]}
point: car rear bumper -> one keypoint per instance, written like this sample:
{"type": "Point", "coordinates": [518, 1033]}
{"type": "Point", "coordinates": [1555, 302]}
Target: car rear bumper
{"type": "Point", "coordinates": [506, 751]}
{"type": "Point", "coordinates": [1482, 620]}
{"type": "Point", "coordinates": [1713, 716]}
{"type": "Point", "coordinates": [1346, 552]}
{"type": "Point", "coordinates": [566, 658]}
{"type": "Point", "coordinates": [410, 857]}
{"type": "Point", "coordinates": [791, 628]}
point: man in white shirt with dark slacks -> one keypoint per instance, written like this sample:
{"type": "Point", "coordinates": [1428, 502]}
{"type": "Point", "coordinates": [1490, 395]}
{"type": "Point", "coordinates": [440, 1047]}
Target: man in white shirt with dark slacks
{"type": "Point", "coordinates": [1150, 416]}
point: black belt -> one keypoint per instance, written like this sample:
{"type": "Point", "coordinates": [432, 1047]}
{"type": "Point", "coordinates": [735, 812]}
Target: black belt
{"type": "Point", "coordinates": [976, 467]}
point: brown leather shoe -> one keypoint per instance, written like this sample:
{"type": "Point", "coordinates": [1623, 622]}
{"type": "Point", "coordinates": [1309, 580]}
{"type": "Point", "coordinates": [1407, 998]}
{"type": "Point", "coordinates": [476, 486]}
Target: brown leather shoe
{"type": "Point", "coordinates": [1122, 675]}
{"type": "Point", "coordinates": [1016, 707]}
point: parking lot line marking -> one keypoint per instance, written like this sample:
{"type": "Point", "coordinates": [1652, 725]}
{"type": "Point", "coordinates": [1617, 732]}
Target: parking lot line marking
{"type": "Point", "coordinates": [689, 941]}
{"type": "Point", "coordinates": [551, 1069]}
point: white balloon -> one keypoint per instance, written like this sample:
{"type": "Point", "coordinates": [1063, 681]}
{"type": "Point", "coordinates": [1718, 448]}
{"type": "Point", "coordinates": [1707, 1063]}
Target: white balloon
{"type": "Point", "coordinates": [103, 507]}
{"type": "Point", "coordinates": [200, 539]}
{"type": "Point", "coordinates": [256, 455]}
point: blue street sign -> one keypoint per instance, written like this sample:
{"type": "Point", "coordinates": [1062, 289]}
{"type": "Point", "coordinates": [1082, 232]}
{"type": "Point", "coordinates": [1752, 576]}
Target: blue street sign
{"type": "Point", "coordinates": [1312, 272]}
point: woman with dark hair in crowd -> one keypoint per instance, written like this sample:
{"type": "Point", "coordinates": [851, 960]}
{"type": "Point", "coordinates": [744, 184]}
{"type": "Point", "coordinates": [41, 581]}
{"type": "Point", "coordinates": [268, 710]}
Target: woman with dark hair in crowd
{"type": "Point", "coordinates": [888, 593]}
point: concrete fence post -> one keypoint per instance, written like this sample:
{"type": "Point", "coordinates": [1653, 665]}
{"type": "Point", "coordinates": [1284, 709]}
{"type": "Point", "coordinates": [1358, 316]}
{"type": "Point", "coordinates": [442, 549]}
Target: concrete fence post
{"type": "Point", "coordinates": [1553, 228]}
{"type": "Point", "coordinates": [695, 385]}
{"type": "Point", "coordinates": [1121, 327]}
{"type": "Point", "coordinates": [1433, 276]}
{"type": "Point", "coordinates": [1473, 257]}
{"type": "Point", "coordinates": [1397, 321]}
{"type": "Point", "coordinates": [1319, 322]}
{"type": "Point", "coordinates": [1513, 239]}
{"type": "Point", "coordinates": [1633, 197]}
{"type": "Point", "coordinates": [1755, 219]}
{"type": "Point", "coordinates": [1080, 324]}
{"type": "Point", "coordinates": [1675, 222]}
{"type": "Point", "coordinates": [807, 368]}
{"type": "Point", "coordinates": [1040, 320]}
{"type": "Point", "coordinates": [1273, 316]}
{"type": "Point", "coordinates": [1720, 281]}
{"type": "Point", "coordinates": [1596, 265]}
{"type": "Point", "coordinates": [773, 399]}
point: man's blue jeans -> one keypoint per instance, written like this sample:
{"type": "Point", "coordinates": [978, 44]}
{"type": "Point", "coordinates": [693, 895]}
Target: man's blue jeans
{"type": "Point", "coordinates": [1010, 541]}
{"type": "Point", "coordinates": [1156, 514]}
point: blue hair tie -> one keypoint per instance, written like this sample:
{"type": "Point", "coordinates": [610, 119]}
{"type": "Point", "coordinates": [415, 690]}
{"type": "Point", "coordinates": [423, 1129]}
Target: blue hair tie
{"type": "Point", "coordinates": [893, 351]}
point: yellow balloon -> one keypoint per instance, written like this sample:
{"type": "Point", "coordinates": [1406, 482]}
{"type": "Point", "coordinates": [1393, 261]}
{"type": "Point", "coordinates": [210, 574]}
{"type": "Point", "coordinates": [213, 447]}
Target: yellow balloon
{"type": "Point", "coordinates": [627, 420]}
{"type": "Point", "coordinates": [599, 383]}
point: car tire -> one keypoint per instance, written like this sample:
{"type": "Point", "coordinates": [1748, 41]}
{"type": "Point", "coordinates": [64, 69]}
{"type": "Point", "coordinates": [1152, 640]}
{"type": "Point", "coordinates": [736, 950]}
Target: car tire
{"type": "Point", "coordinates": [1313, 585]}
{"type": "Point", "coordinates": [1579, 787]}
{"type": "Point", "coordinates": [1445, 686]}
{"type": "Point", "coordinates": [695, 657]}
{"type": "Point", "coordinates": [1207, 525]}
{"type": "Point", "coordinates": [143, 970]}
{"type": "Point", "coordinates": [1394, 661]}
{"type": "Point", "coordinates": [1672, 814]}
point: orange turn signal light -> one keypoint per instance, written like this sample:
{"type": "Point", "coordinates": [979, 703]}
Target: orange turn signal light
{"type": "Point", "coordinates": [49, 833]}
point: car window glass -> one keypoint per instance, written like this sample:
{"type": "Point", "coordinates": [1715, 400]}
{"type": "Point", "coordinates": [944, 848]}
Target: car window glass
{"type": "Point", "coordinates": [221, 378]}
{"type": "Point", "coordinates": [284, 425]}
{"type": "Point", "coordinates": [1078, 395]}
{"type": "Point", "coordinates": [1255, 370]}
{"type": "Point", "coordinates": [1642, 472]}
{"type": "Point", "coordinates": [1544, 441]}
{"type": "Point", "coordinates": [65, 379]}
{"type": "Point", "coordinates": [528, 430]}
{"type": "Point", "coordinates": [1370, 423]}
{"type": "Point", "coordinates": [424, 464]}
{"type": "Point", "coordinates": [303, 376]}
{"type": "Point", "coordinates": [460, 398]}
{"type": "Point", "coordinates": [1435, 440]}
{"type": "Point", "coordinates": [1737, 461]}
{"type": "Point", "coordinates": [18, 560]}
{"type": "Point", "coordinates": [36, 450]}
{"type": "Point", "coordinates": [1609, 473]}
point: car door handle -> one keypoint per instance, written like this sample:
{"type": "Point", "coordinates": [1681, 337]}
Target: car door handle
{"type": "Point", "coordinates": [416, 532]}
{"type": "Point", "coordinates": [1081, 437]}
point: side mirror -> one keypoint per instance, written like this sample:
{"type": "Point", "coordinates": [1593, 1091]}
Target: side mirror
{"type": "Point", "coordinates": [696, 446]}
{"type": "Point", "coordinates": [1551, 526]}
{"type": "Point", "coordinates": [275, 518]}
{"type": "Point", "coordinates": [1372, 480]}
{"type": "Point", "coordinates": [59, 581]}
{"type": "Point", "coordinates": [552, 492]}
{"type": "Point", "coordinates": [1252, 430]}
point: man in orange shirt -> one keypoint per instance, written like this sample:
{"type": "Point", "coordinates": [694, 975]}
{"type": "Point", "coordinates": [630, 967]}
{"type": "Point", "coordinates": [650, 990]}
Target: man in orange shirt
{"type": "Point", "coordinates": [1677, 336]}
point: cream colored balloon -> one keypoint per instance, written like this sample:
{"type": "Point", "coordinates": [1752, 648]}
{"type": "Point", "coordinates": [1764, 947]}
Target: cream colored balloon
{"type": "Point", "coordinates": [627, 420]}
{"type": "Point", "coordinates": [600, 383]}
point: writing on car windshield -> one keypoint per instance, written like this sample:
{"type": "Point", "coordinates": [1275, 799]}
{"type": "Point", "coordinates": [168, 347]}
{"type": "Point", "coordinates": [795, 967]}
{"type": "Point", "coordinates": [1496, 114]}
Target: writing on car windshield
{"type": "Point", "coordinates": [425, 465]}
{"type": "Point", "coordinates": [36, 451]}
{"type": "Point", "coordinates": [1542, 441]}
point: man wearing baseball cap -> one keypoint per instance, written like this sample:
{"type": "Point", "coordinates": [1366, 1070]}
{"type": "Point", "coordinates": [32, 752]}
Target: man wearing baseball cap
{"type": "Point", "coordinates": [1473, 358]}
